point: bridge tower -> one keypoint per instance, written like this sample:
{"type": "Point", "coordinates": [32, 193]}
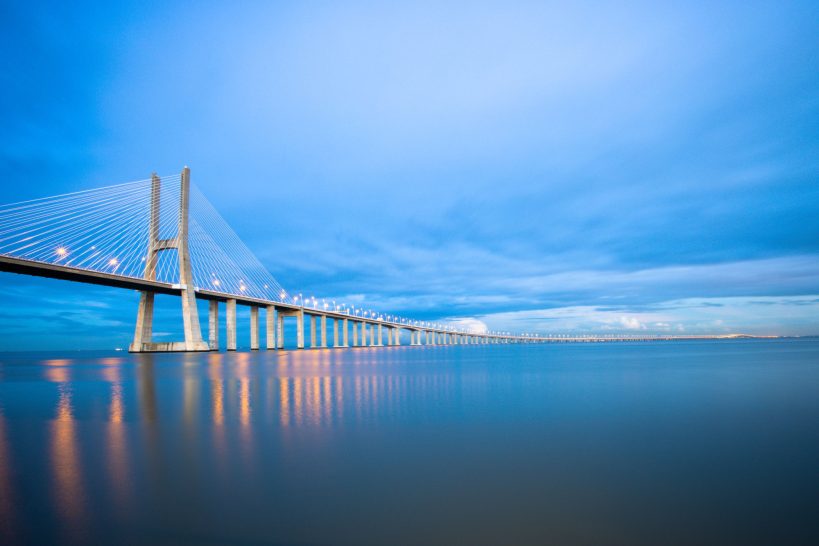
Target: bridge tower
{"type": "Point", "coordinates": [143, 335]}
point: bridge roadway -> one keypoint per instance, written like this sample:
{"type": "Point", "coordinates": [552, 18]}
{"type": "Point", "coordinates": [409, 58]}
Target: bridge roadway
{"type": "Point", "coordinates": [274, 330]}
{"type": "Point", "coordinates": [55, 271]}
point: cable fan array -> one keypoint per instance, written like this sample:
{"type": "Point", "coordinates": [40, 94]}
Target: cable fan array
{"type": "Point", "coordinates": [107, 230]}
{"type": "Point", "coordinates": [103, 230]}
{"type": "Point", "coordinates": [220, 260]}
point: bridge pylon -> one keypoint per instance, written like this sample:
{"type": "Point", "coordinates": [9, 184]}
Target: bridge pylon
{"type": "Point", "coordinates": [143, 334]}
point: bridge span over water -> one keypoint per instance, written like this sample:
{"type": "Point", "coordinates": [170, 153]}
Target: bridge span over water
{"type": "Point", "coordinates": [162, 236]}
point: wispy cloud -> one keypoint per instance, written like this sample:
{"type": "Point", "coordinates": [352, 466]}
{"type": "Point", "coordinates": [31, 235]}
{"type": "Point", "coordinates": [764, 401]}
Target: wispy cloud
{"type": "Point", "coordinates": [786, 315]}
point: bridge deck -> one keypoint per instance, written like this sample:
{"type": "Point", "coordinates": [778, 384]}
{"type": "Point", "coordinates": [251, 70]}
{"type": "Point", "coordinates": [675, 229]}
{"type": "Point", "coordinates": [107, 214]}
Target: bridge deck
{"type": "Point", "coordinates": [55, 271]}
{"type": "Point", "coordinates": [68, 273]}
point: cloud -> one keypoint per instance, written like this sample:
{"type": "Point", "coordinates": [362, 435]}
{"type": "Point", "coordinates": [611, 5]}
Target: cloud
{"type": "Point", "coordinates": [472, 325]}
{"type": "Point", "coordinates": [785, 315]}
{"type": "Point", "coordinates": [632, 323]}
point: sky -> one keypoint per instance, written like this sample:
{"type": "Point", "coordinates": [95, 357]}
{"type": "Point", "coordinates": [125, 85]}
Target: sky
{"type": "Point", "coordinates": [542, 167]}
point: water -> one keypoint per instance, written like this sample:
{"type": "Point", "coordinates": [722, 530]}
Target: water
{"type": "Point", "coordinates": [633, 443]}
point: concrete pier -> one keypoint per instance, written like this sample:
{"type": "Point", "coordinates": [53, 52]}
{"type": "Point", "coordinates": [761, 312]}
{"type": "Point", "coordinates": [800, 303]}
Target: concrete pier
{"type": "Point", "coordinates": [279, 330]}
{"type": "Point", "coordinates": [344, 332]}
{"type": "Point", "coordinates": [323, 331]}
{"type": "Point", "coordinates": [300, 328]}
{"type": "Point", "coordinates": [270, 327]}
{"type": "Point", "coordinates": [230, 324]}
{"type": "Point", "coordinates": [213, 325]}
{"type": "Point", "coordinates": [254, 328]}
{"type": "Point", "coordinates": [312, 331]}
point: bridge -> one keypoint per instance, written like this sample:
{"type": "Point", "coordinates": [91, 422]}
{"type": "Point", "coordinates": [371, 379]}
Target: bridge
{"type": "Point", "coordinates": [162, 236]}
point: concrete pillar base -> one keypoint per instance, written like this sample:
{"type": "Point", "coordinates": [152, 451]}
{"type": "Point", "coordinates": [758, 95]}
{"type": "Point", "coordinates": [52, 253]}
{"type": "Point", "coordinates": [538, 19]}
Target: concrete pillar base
{"type": "Point", "coordinates": [170, 347]}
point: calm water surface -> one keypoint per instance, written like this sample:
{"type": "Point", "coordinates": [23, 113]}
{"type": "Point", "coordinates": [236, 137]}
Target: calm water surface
{"type": "Point", "coordinates": [654, 443]}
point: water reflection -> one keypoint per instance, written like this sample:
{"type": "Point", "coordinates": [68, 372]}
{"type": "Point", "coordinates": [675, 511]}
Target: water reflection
{"type": "Point", "coordinates": [65, 463]}
{"type": "Point", "coordinates": [293, 389]}
{"type": "Point", "coordinates": [118, 456]}
{"type": "Point", "coordinates": [8, 500]}
{"type": "Point", "coordinates": [522, 445]}
{"type": "Point", "coordinates": [146, 387]}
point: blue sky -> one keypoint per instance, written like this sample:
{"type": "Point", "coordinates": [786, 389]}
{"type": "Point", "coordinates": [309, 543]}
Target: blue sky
{"type": "Point", "coordinates": [537, 166]}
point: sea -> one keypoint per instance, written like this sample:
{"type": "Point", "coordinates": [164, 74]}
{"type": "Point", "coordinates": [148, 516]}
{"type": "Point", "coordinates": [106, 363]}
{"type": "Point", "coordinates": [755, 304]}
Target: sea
{"type": "Point", "coordinates": [655, 443]}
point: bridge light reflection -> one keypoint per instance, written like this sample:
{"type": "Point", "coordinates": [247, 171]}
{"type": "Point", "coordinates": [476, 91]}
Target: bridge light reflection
{"type": "Point", "coordinates": [62, 251]}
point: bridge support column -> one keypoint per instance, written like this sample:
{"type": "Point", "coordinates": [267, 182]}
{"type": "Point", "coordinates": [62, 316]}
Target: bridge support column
{"type": "Point", "coordinates": [396, 336]}
{"type": "Point", "coordinates": [364, 334]}
{"type": "Point", "coordinates": [144, 322]}
{"type": "Point", "coordinates": [323, 331]}
{"type": "Point", "coordinates": [312, 332]}
{"type": "Point", "coordinates": [380, 337]}
{"type": "Point", "coordinates": [355, 334]}
{"type": "Point", "coordinates": [344, 332]}
{"type": "Point", "coordinates": [335, 332]}
{"type": "Point", "coordinates": [279, 330]}
{"type": "Point", "coordinates": [300, 329]}
{"type": "Point", "coordinates": [270, 327]}
{"type": "Point", "coordinates": [213, 325]}
{"type": "Point", "coordinates": [254, 328]}
{"type": "Point", "coordinates": [230, 324]}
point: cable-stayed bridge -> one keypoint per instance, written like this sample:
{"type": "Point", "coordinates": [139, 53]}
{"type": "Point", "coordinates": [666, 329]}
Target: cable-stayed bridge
{"type": "Point", "coordinates": [162, 236]}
